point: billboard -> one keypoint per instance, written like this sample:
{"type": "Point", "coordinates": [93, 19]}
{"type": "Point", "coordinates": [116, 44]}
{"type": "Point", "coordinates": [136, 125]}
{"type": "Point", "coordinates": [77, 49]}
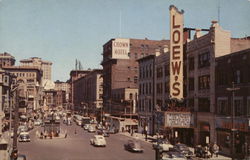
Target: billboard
{"type": "Point", "coordinates": [179, 119]}
{"type": "Point", "coordinates": [176, 53]}
{"type": "Point", "coordinates": [120, 48]}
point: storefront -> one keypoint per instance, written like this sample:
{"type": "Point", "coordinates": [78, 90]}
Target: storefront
{"type": "Point", "coordinates": [225, 135]}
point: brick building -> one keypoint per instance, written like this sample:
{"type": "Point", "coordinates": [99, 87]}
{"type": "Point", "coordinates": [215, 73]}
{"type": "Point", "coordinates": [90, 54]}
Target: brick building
{"type": "Point", "coordinates": [120, 67]}
{"type": "Point", "coordinates": [234, 67]}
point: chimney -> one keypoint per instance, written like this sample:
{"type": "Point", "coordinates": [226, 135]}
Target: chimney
{"type": "Point", "coordinates": [165, 49]}
{"type": "Point", "coordinates": [197, 33]}
{"type": "Point", "coordinates": [157, 52]}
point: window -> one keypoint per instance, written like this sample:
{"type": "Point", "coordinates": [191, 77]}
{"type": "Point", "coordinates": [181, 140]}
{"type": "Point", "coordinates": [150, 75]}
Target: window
{"type": "Point", "coordinates": [248, 106]}
{"type": "Point", "coordinates": [191, 103]}
{"type": "Point", "coordinates": [159, 88]}
{"type": "Point", "coordinates": [222, 106]}
{"type": "Point", "coordinates": [203, 105]}
{"type": "Point", "coordinates": [159, 72]}
{"type": "Point", "coordinates": [129, 54]}
{"type": "Point", "coordinates": [149, 88]}
{"type": "Point", "coordinates": [204, 82]}
{"type": "Point", "coordinates": [237, 76]}
{"type": "Point", "coordinates": [150, 70]}
{"type": "Point", "coordinates": [238, 107]}
{"type": "Point", "coordinates": [191, 64]}
{"type": "Point", "coordinates": [222, 77]}
{"type": "Point", "coordinates": [128, 78]}
{"type": "Point", "coordinates": [136, 55]}
{"type": "Point", "coordinates": [204, 60]}
{"type": "Point", "coordinates": [166, 87]}
{"type": "Point", "coordinates": [191, 84]}
{"type": "Point", "coordinates": [135, 79]}
{"type": "Point", "coordinates": [166, 70]}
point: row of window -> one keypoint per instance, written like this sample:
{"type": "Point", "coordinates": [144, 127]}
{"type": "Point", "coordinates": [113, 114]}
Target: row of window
{"type": "Point", "coordinates": [203, 83]}
{"type": "Point", "coordinates": [159, 71]}
{"type": "Point", "coordinates": [236, 76]}
{"type": "Point", "coordinates": [145, 88]}
{"type": "Point", "coordinates": [145, 105]}
{"type": "Point", "coordinates": [146, 72]}
{"type": "Point", "coordinates": [24, 74]}
{"type": "Point", "coordinates": [203, 61]}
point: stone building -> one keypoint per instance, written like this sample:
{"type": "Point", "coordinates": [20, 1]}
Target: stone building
{"type": "Point", "coordinates": [29, 81]}
{"type": "Point", "coordinates": [6, 59]}
{"type": "Point", "coordinates": [43, 65]}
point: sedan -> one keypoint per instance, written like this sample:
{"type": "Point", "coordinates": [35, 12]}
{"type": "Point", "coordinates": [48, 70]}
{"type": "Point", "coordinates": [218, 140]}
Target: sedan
{"type": "Point", "coordinates": [172, 156]}
{"type": "Point", "coordinates": [133, 146]}
{"type": "Point", "coordinates": [98, 140]}
{"type": "Point", "coordinates": [91, 129]}
{"type": "Point", "coordinates": [183, 149]}
{"type": "Point", "coordinates": [24, 137]}
{"type": "Point", "coordinates": [162, 144]}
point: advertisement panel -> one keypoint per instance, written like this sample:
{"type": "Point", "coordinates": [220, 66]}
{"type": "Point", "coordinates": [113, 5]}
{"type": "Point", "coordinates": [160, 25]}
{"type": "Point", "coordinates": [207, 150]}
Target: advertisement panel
{"type": "Point", "coordinates": [120, 48]}
{"type": "Point", "coordinates": [179, 119]}
{"type": "Point", "coordinates": [240, 124]}
{"type": "Point", "coordinates": [176, 53]}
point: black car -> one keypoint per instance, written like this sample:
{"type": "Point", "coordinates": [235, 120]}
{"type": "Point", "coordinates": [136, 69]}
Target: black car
{"type": "Point", "coordinates": [133, 146]}
{"type": "Point", "coordinates": [182, 148]}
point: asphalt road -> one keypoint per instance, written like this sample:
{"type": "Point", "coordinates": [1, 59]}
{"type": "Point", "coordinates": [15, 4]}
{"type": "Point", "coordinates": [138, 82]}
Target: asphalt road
{"type": "Point", "coordinates": [77, 147]}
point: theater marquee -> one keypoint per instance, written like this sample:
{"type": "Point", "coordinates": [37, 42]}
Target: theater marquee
{"type": "Point", "coordinates": [120, 48]}
{"type": "Point", "coordinates": [176, 53]}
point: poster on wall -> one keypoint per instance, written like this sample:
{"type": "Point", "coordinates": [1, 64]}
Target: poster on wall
{"type": "Point", "coordinates": [176, 52]}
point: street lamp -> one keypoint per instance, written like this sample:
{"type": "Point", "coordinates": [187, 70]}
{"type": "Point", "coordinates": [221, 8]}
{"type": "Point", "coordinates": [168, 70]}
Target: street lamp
{"type": "Point", "coordinates": [233, 89]}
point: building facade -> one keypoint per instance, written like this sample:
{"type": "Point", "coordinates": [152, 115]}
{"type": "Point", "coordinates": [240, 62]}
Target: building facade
{"type": "Point", "coordinates": [43, 65]}
{"type": "Point", "coordinates": [119, 63]}
{"type": "Point", "coordinates": [232, 110]}
{"type": "Point", "coordinates": [6, 59]}
{"type": "Point", "coordinates": [29, 81]}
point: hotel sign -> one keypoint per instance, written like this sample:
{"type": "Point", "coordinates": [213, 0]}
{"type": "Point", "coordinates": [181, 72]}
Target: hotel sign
{"type": "Point", "coordinates": [179, 119]}
{"type": "Point", "coordinates": [120, 48]}
{"type": "Point", "coordinates": [176, 53]}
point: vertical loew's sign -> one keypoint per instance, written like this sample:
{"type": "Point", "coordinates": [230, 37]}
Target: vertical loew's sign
{"type": "Point", "coordinates": [176, 52]}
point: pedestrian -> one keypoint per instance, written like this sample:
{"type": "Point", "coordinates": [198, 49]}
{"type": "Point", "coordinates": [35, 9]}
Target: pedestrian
{"type": "Point", "coordinates": [65, 135]}
{"type": "Point", "coordinates": [216, 149]}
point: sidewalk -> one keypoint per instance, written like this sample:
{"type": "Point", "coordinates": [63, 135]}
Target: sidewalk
{"type": "Point", "coordinates": [153, 138]}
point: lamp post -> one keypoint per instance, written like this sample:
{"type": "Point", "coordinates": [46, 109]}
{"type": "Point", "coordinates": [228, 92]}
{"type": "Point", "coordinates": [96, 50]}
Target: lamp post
{"type": "Point", "coordinates": [233, 89]}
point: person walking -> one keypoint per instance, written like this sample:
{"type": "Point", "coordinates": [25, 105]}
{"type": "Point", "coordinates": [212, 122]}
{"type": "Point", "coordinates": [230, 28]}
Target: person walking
{"type": "Point", "coordinates": [216, 149]}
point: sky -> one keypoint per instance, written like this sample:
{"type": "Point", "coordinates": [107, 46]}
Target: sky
{"type": "Point", "coordinates": [62, 31]}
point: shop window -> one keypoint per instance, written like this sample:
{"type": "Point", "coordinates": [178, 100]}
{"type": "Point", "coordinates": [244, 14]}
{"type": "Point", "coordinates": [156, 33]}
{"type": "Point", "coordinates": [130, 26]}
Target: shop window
{"type": "Point", "coordinates": [203, 105]}
{"type": "Point", "coordinates": [222, 106]}
{"type": "Point", "coordinates": [204, 82]}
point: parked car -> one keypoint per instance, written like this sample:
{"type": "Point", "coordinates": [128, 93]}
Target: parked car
{"type": "Point", "coordinates": [98, 140]}
{"type": "Point", "coordinates": [164, 144]}
{"type": "Point", "coordinates": [86, 126]}
{"type": "Point", "coordinates": [182, 148]}
{"type": "Point", "coordinates": [91, 129]}
{"type": "Point", "coordinates": [38, 122]}
{"type": "Point", "coordinates": [133, 146]}
{"type": "Point", "coordinates": [24, 137]}
{"type": "Point", "coordinates": [172, 156]}
{"type": "Point", "coordinates": [21, 157]}
{"type": "Point", "coordinates": [103, 132]}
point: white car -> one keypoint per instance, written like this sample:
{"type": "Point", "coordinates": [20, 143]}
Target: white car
{"type": "Point", "coordinates": [37, 122]}
{"type": "Point", "coordinates": [173, 156]}
{"type": "Point", "coordinates": [86, 126]}
{"type": "Point", "coordinates": [98, 140]}
{"type": "Point", "coordinates": [164, 145]}
{"type": "Point", "coordinates": [24, 137]}
{"type": "Point", "coordinates": [91, 129]}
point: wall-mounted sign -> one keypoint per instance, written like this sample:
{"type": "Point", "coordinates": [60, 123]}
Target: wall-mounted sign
{"type": "Point", "coordinates": [179, 119]}
{"type": "Point", "coordinates": [226, 123]}
{"type": "Point", "coordinates": [120, 48]}
{"type": "Point", "coordinates": [176, 53]}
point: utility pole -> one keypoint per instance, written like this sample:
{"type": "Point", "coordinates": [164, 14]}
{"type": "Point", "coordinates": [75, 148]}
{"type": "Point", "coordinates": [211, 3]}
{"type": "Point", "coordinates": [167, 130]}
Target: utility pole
{"type": "Point", "coordinates": [233, 89]}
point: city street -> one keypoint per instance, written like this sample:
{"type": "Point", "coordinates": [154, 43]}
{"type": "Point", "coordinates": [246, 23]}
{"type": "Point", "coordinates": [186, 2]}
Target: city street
{"type": "Point", "coordinates": [77, 147]}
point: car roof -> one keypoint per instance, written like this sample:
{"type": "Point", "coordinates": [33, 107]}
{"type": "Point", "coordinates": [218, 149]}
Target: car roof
{"type": "Point", "coordinates": [98, 136]}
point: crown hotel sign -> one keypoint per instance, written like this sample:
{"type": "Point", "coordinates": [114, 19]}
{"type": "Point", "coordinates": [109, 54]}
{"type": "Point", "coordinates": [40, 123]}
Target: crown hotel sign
{"type": "Point", "coordinates": [176, 52]}
{"type": "Point", "coordinates": [120, 48]}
